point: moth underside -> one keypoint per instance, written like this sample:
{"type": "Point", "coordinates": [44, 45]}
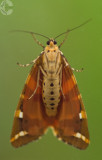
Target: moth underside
{"type": "Point", "coordinates": [50, 98]}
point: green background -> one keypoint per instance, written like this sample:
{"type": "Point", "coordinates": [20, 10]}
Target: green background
{"type": "Point", "coordinates": [83, 48]}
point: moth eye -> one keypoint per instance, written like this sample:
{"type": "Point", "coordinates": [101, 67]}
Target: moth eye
{"type": "Point", "coordinates": [54, 50]}
{"type": "Point", "coordinates": [48, 42]}
{"type": "Point", "coordinates": [55, 42]}
{"type": "Point", "coordinates": [48, 51]}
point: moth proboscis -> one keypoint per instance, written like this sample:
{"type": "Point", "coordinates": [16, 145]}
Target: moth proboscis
{"type": "Point", "coordinates": [50, 98]}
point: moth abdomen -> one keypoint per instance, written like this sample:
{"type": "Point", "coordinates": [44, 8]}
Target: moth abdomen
{"type": "Point", "coordinates": [50, 95]}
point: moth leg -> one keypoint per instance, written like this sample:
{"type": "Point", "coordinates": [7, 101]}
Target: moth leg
{"type": "Point", "coordinates": [62, 93]}
{"type": "Point", "coordinates": [60, 75]}
{"type": "Point", "coordinates": [73, 69]}
{"type": "Point", "coordinates": [59, 70]}
{"type": "Point", "coordinates": [37, 41]}
{"type": "Point", "coordinates": [66, 35]}
{"type": "Point", "coordinates": [26, 65]}
{"type": "Point", "coordinates": [43, 72]}
{"type": "Point", "coordinates": [61, 83]}
{"type": "Point", "coordinates": [36, 85]}
{"type": "Point", "coordinates": [77, 70]}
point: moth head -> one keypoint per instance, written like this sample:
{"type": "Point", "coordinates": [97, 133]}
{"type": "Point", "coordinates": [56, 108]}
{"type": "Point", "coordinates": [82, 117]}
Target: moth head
{"type": "Point", "coordinates": [51, 46]}
{"type": "Point", "coordinates": [51, 42]}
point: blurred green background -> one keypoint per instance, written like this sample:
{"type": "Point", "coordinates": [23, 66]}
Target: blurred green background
{"type": "Point", "coordinates": [83, 48]}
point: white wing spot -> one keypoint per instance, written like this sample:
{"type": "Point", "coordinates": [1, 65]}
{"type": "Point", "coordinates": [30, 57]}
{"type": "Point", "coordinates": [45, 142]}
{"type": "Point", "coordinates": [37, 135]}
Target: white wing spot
{"type": "Point", "coordinates": [21, 115]}
{"type": "Point", "coordinates": [18, 114]}
{"type": "Point", "coordinates": [16, 136]}
{"type": "Point", "coordinates": [20, 134]}
{"type": "Point", "coordinates": [80, 115]}
{"type": "Point", "coordinates": [79, 135]}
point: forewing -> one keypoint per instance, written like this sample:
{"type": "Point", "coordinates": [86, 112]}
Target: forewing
{"type": "Point", "coordinates": [28, 122]}
{"type": "Point", "coordinates": [72, 124]}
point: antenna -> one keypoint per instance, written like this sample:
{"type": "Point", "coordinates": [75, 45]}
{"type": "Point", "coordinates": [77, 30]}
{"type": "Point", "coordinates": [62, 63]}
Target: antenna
{"type": "Point", "coordinates": [69, 30]}
{"type": "Point", "coordinates": [30, 33]}
{"type": "Point", "coordinates": [33, 35]}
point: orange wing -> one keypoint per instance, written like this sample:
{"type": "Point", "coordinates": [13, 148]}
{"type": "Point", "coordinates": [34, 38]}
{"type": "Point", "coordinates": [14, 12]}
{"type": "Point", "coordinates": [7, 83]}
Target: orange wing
{"type": "Point", "coordinates": [72, 126]}
{"type": "Point", "coordinates": [28, 122]}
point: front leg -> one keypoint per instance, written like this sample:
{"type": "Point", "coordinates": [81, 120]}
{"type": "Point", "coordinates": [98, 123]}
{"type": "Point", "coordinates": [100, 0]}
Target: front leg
{"type": "Point", "coordinates": [38, 77]}
{"type": "Point", "coordinates": [73, 69]}
{"type": "Point", "coordinates": [43, 72]}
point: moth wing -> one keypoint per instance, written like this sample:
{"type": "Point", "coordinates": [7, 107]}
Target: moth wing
{"type": "Point", "coordinates": [72, 125]}
{"type": "Point", "coordinates": [28, 122]}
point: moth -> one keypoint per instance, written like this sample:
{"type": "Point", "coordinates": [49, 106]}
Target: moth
{"type": "Point", "coordinates": [50, 98]}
